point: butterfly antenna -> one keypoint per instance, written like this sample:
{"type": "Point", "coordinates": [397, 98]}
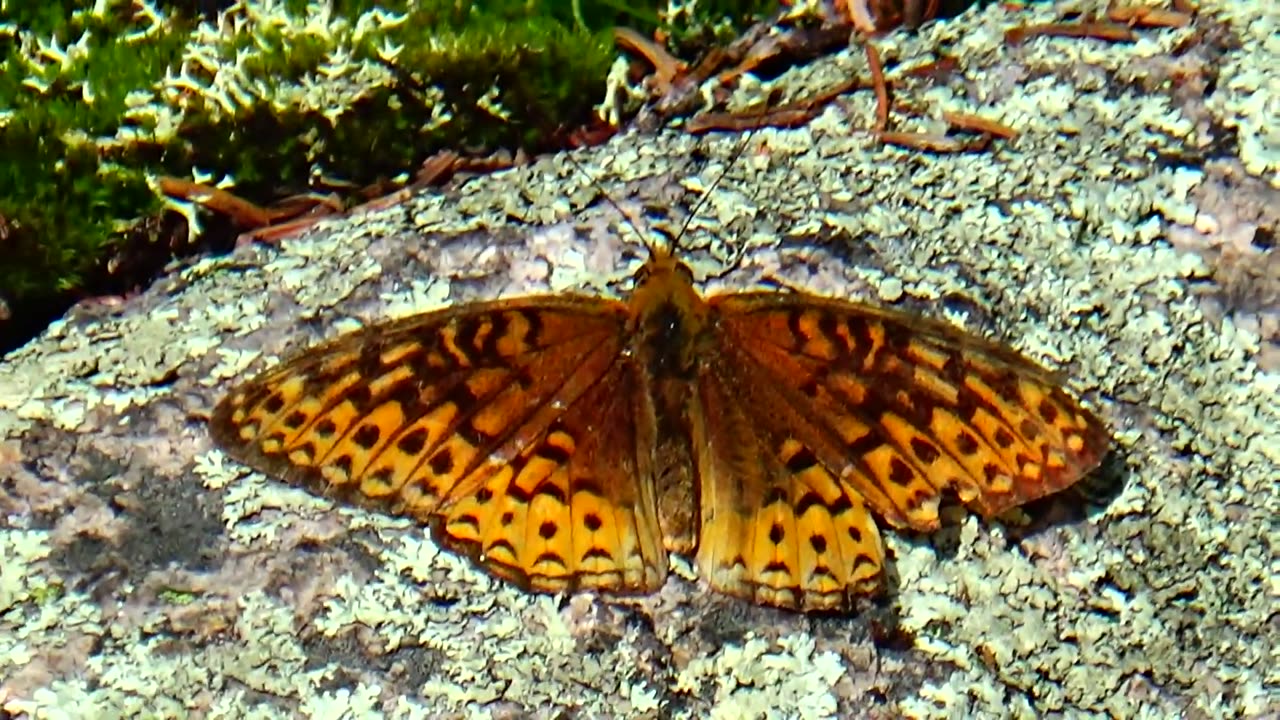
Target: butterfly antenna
{"type": "Point", "coordinates": [675, 241]}
{"type": "Point", "coordinates": [635, 226]}
{"type": "Point", "coordinates": [737, 155]}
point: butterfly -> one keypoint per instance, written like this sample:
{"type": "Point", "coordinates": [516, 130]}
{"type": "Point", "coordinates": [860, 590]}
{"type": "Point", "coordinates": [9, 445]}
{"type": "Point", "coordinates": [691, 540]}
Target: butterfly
{"type": "Point", "coordinates": [568, 443]}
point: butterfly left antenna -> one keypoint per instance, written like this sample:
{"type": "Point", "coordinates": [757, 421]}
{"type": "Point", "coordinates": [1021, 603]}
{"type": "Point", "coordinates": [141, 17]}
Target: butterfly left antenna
{"type": "Point", "coordinates": [635, 226]}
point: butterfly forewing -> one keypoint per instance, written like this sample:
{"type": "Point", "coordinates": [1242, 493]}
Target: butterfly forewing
{"type": "Point", "coordinates": [903, 409]}
{"type": "Point", "coordinates": [508, 426]}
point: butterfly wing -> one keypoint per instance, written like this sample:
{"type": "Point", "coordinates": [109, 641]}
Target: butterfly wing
{"type": "Point", "coordinates": [776, 526]}
{"type": "Point", "coordinates": [854, 407]}
{"type": "Point", "coordinates": [576, 508]}
{"type": "Point", "coordinates": [906, 408]}
{"type": "Point", "coordinates": [508, 426]}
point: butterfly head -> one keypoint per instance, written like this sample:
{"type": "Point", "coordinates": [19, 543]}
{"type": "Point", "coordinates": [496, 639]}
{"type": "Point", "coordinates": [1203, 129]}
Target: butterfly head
{"type": "Point", "coordinates": [668, 316]}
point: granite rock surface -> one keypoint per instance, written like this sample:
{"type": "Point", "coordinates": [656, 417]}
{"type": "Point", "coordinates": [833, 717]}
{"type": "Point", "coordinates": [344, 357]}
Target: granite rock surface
{"type": "Point", "coordinates": [1125, 237]}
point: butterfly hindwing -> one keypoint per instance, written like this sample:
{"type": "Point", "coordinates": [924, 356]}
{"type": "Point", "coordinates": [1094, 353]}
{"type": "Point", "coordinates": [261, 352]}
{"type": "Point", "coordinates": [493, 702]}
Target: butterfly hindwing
{"type": "Point", "coordinates": [574, 509]}
{"type": "Point", "coordinates": [777, 526]}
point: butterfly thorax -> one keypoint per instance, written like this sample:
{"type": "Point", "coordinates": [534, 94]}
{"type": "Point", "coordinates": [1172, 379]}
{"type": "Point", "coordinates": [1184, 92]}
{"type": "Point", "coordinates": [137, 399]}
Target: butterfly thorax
{"type": "Point", "coordinates": [669, 320]}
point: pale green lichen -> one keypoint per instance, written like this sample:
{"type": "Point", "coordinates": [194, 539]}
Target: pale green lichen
{"type": "Point", "coordinates": [757, 680]}
{"type": "Point", "coordinates": [1251, 102]}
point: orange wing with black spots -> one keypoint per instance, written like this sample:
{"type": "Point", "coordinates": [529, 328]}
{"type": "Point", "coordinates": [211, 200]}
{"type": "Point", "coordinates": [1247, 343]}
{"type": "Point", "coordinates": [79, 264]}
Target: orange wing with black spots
{"type": "Point", "coordinates": [573, 509]}
{"type": "Point", "coordinates": [815, 413]}
{"type": "Point", "coordinates": [904, 408]}
{"type": "Point", "coordinates": [506, 426]}
{"type": "Point", "coordinates": [777, 526]}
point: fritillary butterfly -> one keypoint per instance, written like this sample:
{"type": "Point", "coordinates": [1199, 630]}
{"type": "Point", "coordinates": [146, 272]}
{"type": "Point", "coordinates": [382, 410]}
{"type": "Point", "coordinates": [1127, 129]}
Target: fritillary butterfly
{"type": "Point", "coordinates": [570, 443]}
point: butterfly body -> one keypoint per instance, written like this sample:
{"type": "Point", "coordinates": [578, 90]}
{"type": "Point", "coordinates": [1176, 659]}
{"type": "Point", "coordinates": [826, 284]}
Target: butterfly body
{"type": "Point", "coordinates": [567, 442]}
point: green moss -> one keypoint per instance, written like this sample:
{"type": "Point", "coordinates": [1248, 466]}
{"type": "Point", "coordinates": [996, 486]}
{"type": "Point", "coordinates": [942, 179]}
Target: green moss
{"type": "Point", "coordinates": [62, 201]}
{"type": "Point", "coordinates": [363, 106]}
{"type": "Point", "coordinates": [275, 98]}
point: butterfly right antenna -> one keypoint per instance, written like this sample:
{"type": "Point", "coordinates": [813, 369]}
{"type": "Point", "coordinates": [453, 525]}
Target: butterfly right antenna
{"type": "Point", "coordinates": [737, 155]}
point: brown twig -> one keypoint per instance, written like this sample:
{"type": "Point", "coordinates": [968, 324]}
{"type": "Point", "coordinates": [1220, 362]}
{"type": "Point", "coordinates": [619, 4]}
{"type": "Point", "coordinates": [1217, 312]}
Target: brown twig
{"type": "Point", "coordinates": [881, 87]}
{"type": "Point", "coordinates": [975, 123]}
{"type": "Point", "coordinates": [437, 169]}
{"type": "Point", "coordinates": [712, 121]}
{"type": "Point", "coordinates": [831, 93]}
{"type": "Point", "coordinates": [595, 133]}
{"type": "Point", "coordinates": [284, 218]}
{"type": "Point", "coordinates": [243, 213]}
{"type": "Point", "coordinates": [931, 142]}
{"type": "Point", "coordinates": [274, 233]}
{"type": "Point", "coordinates": [1110, 32]}
{"type": "Point", "coordinates": [1139, 16]}
{"type": "Point", "coordinates": [763, 50]}
{"type": "Point", "coordinates": [666, 67]}
{"type": "Point", "coordinates": [792, 114]}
